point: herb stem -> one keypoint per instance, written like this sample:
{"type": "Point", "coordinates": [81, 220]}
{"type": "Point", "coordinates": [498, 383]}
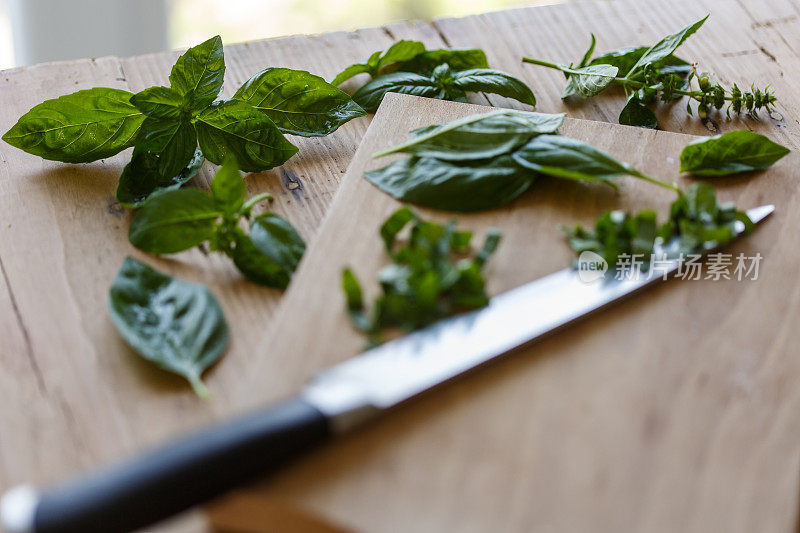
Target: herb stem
{"type": "Point", "coordinates": [255, 199]}
{"type": "Point", "coordinates": [660, 183]}
{"type": "Point", "coordinates": [199, 387]}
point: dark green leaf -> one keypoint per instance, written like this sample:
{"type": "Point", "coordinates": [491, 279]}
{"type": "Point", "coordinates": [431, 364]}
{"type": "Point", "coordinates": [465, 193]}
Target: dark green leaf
{"type": "Point", "coordinates": [590, 81]}
{"type": "Point", "coordinates": [563, 157]}
{"type": "Point", "coordinates": [451, 186]}
{"type": "Point", "coordinates": [173, 140]}
{"type": "Point", "coordinates": [159, 102]}
{"type": "Point", "coordinates": [175, 324]}
{"type": "Point", "coordinates": [277, 239]}
{"type": "Point", "coordinates": [587, 56]}
{"type": "Point", "coordinates": [256, 266]}
{"type": "Point", "coordinates": [625, 58]}
{"type": "Point", "coordinates": [370, 95]}
{"type": "Point", "coordinates": [494, 82]}
{"type": "Point", "coordinates": [299, 102]}
{"type": "Point", "coordinates": [236, 128]}
{"type": "Point", "coordinates": [730, 153]}
{"type": "Point", "coordinates": [198, 74]}
{"type": "Point", "coordinates": [635, 114]}
{"type": "Point", "coordinates": [349, 72]}
{"type": "Point", "coordinates": [394, 225]}
{"type": "Point", "coordinates": [228, 189]}
{"type": "Point", "coordinates": [666, 46]}
{"type": "Point", "coordinates": [400, 51]}
{"type": "Point", "coordinates": [141, 177]}
{"type": "Point", "coordinates": [173, 221]}
{"type": "Point", "coordinates": [425, 62]}
{"type": "Point", "coordinates": [79, 127]}
{"type": "Point", "coordinates": [478, 136]}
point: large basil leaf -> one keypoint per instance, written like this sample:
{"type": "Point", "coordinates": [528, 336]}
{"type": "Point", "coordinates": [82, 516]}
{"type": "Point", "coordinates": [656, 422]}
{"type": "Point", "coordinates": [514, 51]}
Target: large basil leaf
{"type": "Point", "coordinates": [425, 62]}
{"type": "Point", "coordinates": [299, 102]}
{"type": "Point", "coordinates": [228, 189]}
{"type": "Point", "coordinates": [468, 186]}
{"type": "Point", "coordinates": [173, 221]}
{"type": "Point", "coordinates": [175, 142]}
{"type": "Point", "coordinates": [495, 82]}
{"type": "Point", "coordinates": [590, 80]}
{"type": "Point", "coordinates": [141, 177]}
{"type": "Point", "coordinates": [159, 102]}
{"type": "Point", "coordinates": [79, 127]}
{"type": "Point", "coordinates": [635, 114]}
{"type": "Point", "coordinates": [730, 153]}
{"type": "Point", "coordinates": [175, 324]}
{"type": "Point", "coordinates": [198, 74]}
{"type": "Point", "coordinates": [236, 128]}
{"type": "Point", "coordinates": [480, 136]}
{"type": "Point", "coordinates": [562, 157]}
{"type": "Point", "coordinates": [278, 240]}
{"type": "Point", "coordinates": [370, 95]}
{"type": "Point", "coordinates": [666, 46]}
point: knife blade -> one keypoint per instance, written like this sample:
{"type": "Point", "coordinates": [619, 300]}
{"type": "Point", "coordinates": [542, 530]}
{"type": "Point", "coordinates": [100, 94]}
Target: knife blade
{"type": "Point", "coordinates": [203, 465]}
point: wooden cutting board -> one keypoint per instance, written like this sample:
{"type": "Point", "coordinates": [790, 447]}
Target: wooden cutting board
{"type": "Point", "coordinates": [676, 410]}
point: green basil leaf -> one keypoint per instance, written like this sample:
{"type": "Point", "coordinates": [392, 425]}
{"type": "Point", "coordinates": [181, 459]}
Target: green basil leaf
{"type": "Point", "coordinates": [173, 221]}
{"type": "Point", "coordinates": [349, 72]}
{"type": "Point", "coordinates": [79, 127]}
{"type": "Point", "coordinates": [159, 102]}
{"type": "Point", "coordinates": [228, 188]}
{"type": "Point", "coordinates": [590, 81]}
{"type": "Point", "coordinates": [587, 56]}
{"type": "Point", "coordinates": [400, 51]}
{"type": "Point", "coordinates": [495, 82]}
{"type": "Point", "coordinates": [394, 225]}
{"type": "Point", "coordinates": [730, 153]}
{"type": "Point", "coordinates": [370, 95]}
{"type": "Point", "coordinates": [469, 186]}
{"type": "Point", "coordinates": [666, 46]}
{"type": "Point", "coordinates": [141, 177]}
{"type": "Point", "coordinates": [175, 324]}
{"type": "Point", "coordinates": [562, 157]}
{"type": "Point", "coordinates": [173, 140]}
{"type": "Point", "coordinates": [635, 114]}
{"type": "Point", "coordinates": [299, 102]}
{"type": "Point", "coordinates": [198, 74]}
{"type": "Point", "coordinates": [277, 239]}
{"type": "Point", "coordinates": [425, 62]}
{"type": "Point", "coordinates": [236, 128]}
{"type": "Point", "coordinates": [625, 58]}
{"type": "Point", "coordinates": [256, 266]}
{"type": "Point", "coordinates": [479, 136]}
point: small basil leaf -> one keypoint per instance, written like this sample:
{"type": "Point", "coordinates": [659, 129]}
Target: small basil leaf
{"type": "Point", "coordinates": [666, 46]}
{"type": "Point", "coordinates": [173, 140]}
{"type": "Point", "coordinates": [141, 177]}
{"type": "Point", "coordinates": [277, 239]}
{"type": "Point", "coordinates": [479, 136]}
{"type": "Point", "coordinates": [79, 127]}
{"type": "Point", "coordinates": [562, 157]}
{"type": "Point", "coordinates": [349, 72]}
{"type": "Point", "coordinates": [394, 225]}
{"type": "Point", "coordinates": [256, 266]}
{"type": "Point", "coordinates": [299, 102]}
{"type": "Point", "coordinates": [495, 82]}
{"type": "Point", "coordinates": [471, 186]}
{"type": "Point", "coordinates": [228, 188]}
{"type": "Point", "coordinates": [625, 58]}
{"type": "Point", "coordinates": [159, 102]}
{"type": "Point", "coordinates": [730, 153]}
{"type": "Point", "coordinates": [635, 114]}
{"type": "Point", "coordinates": [173, 221]}
{"type": "Point", "coordinates": [590, 81]}
{"type": "Point", "coordinates": [236, 128]}
{"type": "Point", "coordinates": [425, 62]}
{"type": "Point", "coordinates": [587, 56]}
{"type": "Point", "coordinates": [175, 324]}
{"type": "Point", "coordinates": [370, 95]}
{"type": "Point", "coordinates": [400, 51]}
{"type": "Point", "coordinates": [198, 74]}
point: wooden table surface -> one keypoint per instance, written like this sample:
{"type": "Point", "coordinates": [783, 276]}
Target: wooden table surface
{"type": "Point", "coordinates": [72, 395]}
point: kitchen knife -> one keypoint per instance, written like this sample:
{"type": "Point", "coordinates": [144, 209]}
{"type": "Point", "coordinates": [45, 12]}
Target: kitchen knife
{"type": "Point", "coordinates": [203, 465]}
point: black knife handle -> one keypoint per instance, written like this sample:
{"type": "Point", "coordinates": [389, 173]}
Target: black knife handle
{"type": "Point", "coordinates": [182, 474]}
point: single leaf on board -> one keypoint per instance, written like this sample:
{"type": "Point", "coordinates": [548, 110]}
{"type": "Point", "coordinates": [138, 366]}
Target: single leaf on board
{"type": "Point", "coordinates": [730, 153]}
{"type": "Point", "coordinates": [494, 82]}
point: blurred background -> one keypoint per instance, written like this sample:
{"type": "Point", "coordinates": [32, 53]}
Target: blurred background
{"type": "Point", "coordinates": [35, 31]}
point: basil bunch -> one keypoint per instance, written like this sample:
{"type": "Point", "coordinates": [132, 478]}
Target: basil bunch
{"type": "Point", "coordinates": [486, 160]}
{"type": "Point", "coordinates": [175, 324]}
{"type": "Point", "coordinates": [176, 220]}
{"type": "Point", "coordinates": [430, 278]}
{"type": "Point", "coordinates": [651, 73]}
{"type": "Point", "coordinates": [166, 124]}
{"type": "Point", "coordinates": [408, 68]}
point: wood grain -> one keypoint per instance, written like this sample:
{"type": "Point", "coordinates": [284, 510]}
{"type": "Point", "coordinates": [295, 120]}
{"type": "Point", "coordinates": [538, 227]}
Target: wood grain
{"type": "Point", "coordinates": [669, 412]}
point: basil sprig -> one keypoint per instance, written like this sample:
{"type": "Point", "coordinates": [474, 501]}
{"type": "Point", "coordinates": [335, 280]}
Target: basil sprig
{"type": "Point", "coordinates": [486, 160]}
{"type": "Point", "coordinates": [166, 124]}
{"type": "Point", "coordinates": [175, 324]}
{"type": "Point", "coordinates": [176, 220]}
{"type": "Point", "coordinates": [730, 153]}
{"type": "Point", "coordinates": [697, 223]}
{"type": "Point", "coordinates": [650, 73]}
{"type": "Point", "coordinates": [431, 276]}
{"type": "Point", "coordinates": [407, 68]}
